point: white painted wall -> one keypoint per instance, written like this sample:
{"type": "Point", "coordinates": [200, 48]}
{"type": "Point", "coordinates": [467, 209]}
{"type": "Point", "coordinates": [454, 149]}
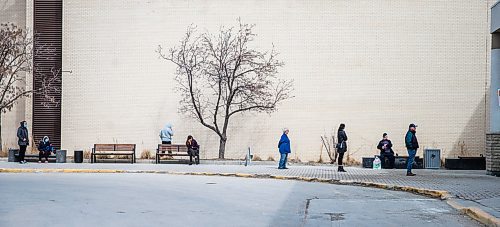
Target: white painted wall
{"type": "Point", "coordinates": [375, 65]}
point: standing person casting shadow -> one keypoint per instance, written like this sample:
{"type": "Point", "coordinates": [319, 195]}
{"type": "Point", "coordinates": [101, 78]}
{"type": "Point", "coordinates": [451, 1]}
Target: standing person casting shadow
{"type": "Point", "coordinates": [341, 146]}
{"type": "Point", "coordinates": [284, 149]}
{"type": "Point", "coordinates": [22, 140]}
{"type": "Point", "coordinates": [193, 150]}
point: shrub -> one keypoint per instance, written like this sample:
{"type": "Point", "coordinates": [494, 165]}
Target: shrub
{"type": "Point", "coordinates": [146, 154]}
{"type": "Point", "coordinates": [256, 158]}
{"type": "Point", "coordinates": [351, 161]}
{"type": "Point", "coordinates": [86, 155]}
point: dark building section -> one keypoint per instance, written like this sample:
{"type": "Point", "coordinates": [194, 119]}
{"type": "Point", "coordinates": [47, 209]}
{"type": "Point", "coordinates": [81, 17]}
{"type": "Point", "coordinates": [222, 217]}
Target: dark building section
{"type": "Point", "coordinates": [47, 59]}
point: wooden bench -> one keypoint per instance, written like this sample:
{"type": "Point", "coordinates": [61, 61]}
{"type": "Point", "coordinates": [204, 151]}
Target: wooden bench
{"type": "Point", "coordinates": [173, 150]}
{"type": "Point", "coordinates": [113, 149]}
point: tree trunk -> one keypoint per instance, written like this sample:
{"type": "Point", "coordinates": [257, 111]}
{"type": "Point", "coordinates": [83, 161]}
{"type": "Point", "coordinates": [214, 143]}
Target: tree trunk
{"type": "Point", "coordinates": [222, 147]}
{"type": "Point", "coordinates": [1, 141]}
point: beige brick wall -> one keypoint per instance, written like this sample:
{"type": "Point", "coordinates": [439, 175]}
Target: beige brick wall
{"type": "Point", "coordinates": [375, 65]}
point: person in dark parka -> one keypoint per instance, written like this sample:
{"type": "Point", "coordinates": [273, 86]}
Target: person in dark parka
{"type": "Point", "coordinates": [284, 149]}
{"type": "Point", "coordinates": [22, 140]}
{"type": "Point", "coordinates": [44, 149]}
{"type": "Point", "coordinates": [385, 147]}
{"type": "Point", "coordinates": [412, 146]}
{"type": "Point", "coordinates": [193, 150]}
{"type": "Point", "coordinates": [341, 146]}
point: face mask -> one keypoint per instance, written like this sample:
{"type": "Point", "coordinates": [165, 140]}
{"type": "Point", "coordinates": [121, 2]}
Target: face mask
{"type": "Point", "coordinates": [25, 125]}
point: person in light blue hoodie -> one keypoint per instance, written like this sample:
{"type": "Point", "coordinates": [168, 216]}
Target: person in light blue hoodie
{"type": "Point", "coordinates": [284, 148]}
{"type": "Point", "coordinates": [166, 134]}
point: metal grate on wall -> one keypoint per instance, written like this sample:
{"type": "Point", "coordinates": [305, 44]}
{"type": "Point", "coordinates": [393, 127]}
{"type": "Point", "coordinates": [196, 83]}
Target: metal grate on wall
{"type": "Point", "coordinates": [48, 58]}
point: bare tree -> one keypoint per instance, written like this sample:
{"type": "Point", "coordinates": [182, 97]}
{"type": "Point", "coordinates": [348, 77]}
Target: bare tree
{"type": "Point", "coordinates": [220, 75]}
{"type": "Point", "coordinates": [16, 57]}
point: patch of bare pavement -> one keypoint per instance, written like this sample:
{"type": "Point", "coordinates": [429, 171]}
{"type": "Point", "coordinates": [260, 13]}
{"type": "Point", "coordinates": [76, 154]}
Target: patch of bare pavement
{"type": "Point", "coordinates": [470, 192]}
{"type": "Point", "coordinates": [105, 199]}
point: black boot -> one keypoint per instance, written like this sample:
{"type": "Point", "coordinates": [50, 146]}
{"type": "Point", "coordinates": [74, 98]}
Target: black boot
{"type": "Point", "coordinates": [341, 169]}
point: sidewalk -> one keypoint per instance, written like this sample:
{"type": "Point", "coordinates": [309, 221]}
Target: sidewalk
{"type": "Point", "coordinates": [471, 192]}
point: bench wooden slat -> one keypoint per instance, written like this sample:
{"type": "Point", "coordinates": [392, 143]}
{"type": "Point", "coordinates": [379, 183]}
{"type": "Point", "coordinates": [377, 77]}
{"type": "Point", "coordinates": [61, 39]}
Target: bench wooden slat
{"type": "Point", "coordinates": [114, 153]}
{"type": "Point", "coordinates": [172, 147]}
{"type": "Point", "coordinates": [104, 147]}
{"type": "Point", "coordinates": [173, 154]}
{"type": "Point", "coordinates": [125, 147]}
{"type": "Point", "coordinates": [33, 156]}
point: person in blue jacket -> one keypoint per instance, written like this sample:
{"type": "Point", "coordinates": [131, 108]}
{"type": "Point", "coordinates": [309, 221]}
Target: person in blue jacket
{"type": "Point", "coordinates": [284, 148]}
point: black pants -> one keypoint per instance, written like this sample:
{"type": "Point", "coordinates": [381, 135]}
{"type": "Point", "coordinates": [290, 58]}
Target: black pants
{"type": "Point", "coordinates": [193, 153]}
{"type": "Point", "coordinates": [341, 158]}
{"type": "Point", "coordinates": [43, 154]}
{"type": "Point", "coordinates": [390, 157]}
{"type": "Point", "coordinates": [22, 152]}
{"type": "Point", "coordinates": [165, 142]}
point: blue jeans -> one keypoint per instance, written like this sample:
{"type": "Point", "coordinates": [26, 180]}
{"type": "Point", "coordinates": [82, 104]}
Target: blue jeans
{"type": "Point", "coordinates": [411, 158]}
{"type": "Point", "coordinates": [283, 158]}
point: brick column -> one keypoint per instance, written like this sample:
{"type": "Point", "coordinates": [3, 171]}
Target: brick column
{"type": "Point", "coordinates": [493, 154]}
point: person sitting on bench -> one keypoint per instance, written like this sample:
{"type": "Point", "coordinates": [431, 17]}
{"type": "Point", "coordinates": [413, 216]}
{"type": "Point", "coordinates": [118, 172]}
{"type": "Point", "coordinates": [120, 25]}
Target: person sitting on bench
{"type": "Point", "coordinates": [385, 147]}
{"type": "Point", "coordinates": [44, 148]}
{"type": "Point", "coordinates": [193, 149]}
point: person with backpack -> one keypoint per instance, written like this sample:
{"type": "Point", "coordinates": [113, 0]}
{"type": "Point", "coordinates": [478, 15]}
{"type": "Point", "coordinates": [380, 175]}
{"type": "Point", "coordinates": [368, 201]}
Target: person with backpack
{"type": "Point", "coordinates": [44, 148]}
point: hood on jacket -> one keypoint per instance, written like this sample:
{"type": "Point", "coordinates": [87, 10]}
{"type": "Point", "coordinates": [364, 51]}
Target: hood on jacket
{"type": "Point", "coordinates": [168, 126]}
{"type": "Point", "coordinates": [22, 124]}
{"type": "Point", "coordinates": [45, 139]}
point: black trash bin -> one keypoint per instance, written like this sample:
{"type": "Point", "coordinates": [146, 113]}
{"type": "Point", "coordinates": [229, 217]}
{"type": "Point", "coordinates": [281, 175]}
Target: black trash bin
{"type": "Point", "coordinates": [78, 156]}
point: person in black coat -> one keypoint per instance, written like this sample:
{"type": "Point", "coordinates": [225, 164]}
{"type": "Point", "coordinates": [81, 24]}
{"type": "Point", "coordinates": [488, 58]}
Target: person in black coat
{"type": "Point", "coordinates": [193, 150]}
{"type": "Point", "coordinates": [341, 146]}
{"type": "Point", "coordinates": [22, 140]}
{"type": "Point", "coordinates": [385, 147]}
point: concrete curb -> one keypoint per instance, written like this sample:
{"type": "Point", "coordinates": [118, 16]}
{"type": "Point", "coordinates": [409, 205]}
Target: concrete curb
{"type": "Point", "coordinates": [473, 212]}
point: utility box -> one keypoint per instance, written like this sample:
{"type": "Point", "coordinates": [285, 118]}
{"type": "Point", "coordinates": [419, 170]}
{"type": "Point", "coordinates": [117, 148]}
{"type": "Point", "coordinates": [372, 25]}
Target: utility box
{"type": "Point", "coordinates": [432, 158]}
